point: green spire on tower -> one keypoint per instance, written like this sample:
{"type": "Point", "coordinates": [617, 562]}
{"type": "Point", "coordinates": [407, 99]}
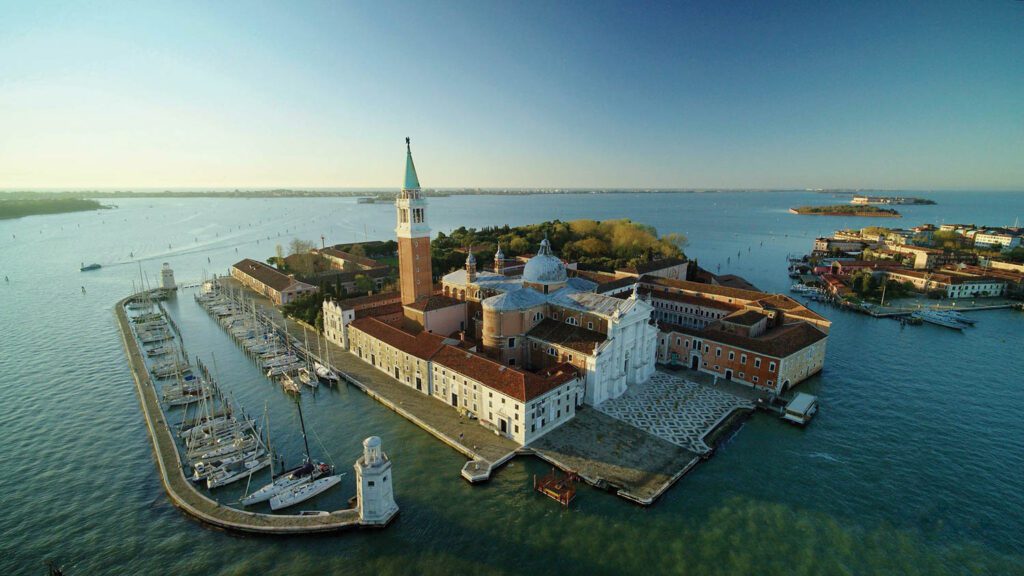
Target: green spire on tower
{"type": "Point", "coordinates": [411, 181]}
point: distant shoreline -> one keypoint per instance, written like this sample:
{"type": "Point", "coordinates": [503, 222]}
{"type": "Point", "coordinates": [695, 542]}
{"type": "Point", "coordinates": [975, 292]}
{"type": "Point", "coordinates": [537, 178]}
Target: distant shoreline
{"type": "Point", "coordinates": [19, 207]}
{"type": "Point", "coordinates": [389, 194]}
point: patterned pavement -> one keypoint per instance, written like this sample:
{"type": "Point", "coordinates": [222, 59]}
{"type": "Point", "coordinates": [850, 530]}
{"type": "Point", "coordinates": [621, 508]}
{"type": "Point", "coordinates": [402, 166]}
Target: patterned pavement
{"type": "Point", "coordinates": [674, 409]}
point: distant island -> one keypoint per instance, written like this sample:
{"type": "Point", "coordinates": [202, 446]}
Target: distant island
{"type": "Point", "coordinates": [386, 195]}
{"type": "Point", "coordinates": [19, 205]}
{"type": "Point", "coordinates": [865, 200]}
{"type": "Point", "coordinates": [846, 210]}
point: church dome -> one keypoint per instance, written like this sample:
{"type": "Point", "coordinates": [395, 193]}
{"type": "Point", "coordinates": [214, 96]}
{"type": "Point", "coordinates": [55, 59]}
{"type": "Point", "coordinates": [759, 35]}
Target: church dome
{"type": "Point", "coordinates": [545, 267]}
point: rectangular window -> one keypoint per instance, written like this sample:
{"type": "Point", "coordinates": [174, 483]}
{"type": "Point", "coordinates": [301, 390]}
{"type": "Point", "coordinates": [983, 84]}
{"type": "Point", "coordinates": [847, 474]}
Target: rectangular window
{"type": "Point", "coordinates": [511, 342]}
{"type": "Point", "coordinates": [552, 351]}
{"type": "Point", "coordinates": [732, 355]}
{"type": "Point", "coordinates": [590, 325]}
{"type": "Point", "coordinates": [718, 352]}
{"type": "Point", "coordinates": [755, 379]}
{"type": "Point", "coordinates": [771, 366]}
{"type": "Point", "coordinates": [743, 358]}
{"type": "Point", "coordinates": [757, 362]}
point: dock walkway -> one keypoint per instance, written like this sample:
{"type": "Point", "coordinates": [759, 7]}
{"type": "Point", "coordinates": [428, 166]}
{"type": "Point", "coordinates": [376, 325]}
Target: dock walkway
{"type": "Point", "coordinates": [181, 492]}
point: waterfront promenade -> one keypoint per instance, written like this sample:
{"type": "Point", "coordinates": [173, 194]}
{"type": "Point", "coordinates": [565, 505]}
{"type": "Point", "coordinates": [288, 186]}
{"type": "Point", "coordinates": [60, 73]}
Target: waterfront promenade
{"type": "Point", "coordinates": [181, 492]}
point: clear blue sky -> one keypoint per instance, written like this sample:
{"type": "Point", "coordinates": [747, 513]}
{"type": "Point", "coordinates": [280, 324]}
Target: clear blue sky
{"type": "Point", "coordinates": [733, 94]}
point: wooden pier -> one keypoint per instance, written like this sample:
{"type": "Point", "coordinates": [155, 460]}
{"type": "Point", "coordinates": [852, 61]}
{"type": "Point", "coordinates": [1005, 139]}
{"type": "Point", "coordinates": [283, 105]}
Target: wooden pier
{"type": "Point", "coordinates": [181, 492]}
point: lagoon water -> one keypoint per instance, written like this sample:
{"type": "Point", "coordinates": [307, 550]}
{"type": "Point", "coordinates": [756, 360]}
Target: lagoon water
{"type": "Point", "coordinates": [914, 465]}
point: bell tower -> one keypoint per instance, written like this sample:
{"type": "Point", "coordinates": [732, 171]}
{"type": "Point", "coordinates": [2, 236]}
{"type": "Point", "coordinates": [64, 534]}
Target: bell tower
{"type": "Point", "coordinates": [416, 281]}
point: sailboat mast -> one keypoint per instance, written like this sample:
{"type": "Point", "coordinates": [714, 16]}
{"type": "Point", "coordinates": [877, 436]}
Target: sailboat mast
{"type": "Point", "coordinates": [302, 423]}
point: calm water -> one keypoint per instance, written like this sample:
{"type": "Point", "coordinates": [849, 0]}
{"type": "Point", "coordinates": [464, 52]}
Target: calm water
{"type": "Point", "coordinates": [914, 465]}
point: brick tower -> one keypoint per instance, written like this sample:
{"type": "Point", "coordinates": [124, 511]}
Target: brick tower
{"type": "Point", "coordinates": [415, 278]}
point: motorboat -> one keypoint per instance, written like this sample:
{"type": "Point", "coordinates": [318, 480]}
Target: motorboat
{"type": "Point", "coordinates": [938, 318]}
{"type": "Point", "coordinates": [90, 267]}
{"type": "Point", "coordinates": [801, 409]}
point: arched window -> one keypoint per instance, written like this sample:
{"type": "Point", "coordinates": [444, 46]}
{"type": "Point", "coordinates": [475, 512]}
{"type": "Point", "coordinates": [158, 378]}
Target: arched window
{"type": "Point", "coordinates": [571, 320]}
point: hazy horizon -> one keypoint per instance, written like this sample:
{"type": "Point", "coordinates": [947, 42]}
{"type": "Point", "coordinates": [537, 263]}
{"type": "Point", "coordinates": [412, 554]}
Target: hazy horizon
{"type": "Point", "coordinates": [720, 96]}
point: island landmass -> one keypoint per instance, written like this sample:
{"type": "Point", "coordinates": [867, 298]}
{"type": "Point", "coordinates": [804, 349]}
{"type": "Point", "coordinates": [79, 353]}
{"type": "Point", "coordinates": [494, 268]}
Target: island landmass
{"type": "Point", "coordinates": [866, 210]}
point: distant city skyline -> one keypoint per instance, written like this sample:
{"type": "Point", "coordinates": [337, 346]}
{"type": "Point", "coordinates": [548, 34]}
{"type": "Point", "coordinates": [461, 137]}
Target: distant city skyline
{"type": "Point", "coordinates": [739, 95]}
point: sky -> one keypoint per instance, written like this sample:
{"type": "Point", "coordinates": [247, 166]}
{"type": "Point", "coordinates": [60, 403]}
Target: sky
{"type": "Point", "coordinates": [738, 94]}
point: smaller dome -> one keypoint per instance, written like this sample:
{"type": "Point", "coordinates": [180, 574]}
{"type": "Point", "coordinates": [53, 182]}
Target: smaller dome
{"type": "Point", "coordinates": [470, 259]}
{"type": "Point", "coordinates": [499, 255]}
{"type": "Point", "coordinates": [545, 267]}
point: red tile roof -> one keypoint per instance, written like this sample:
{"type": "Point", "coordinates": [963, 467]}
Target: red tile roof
{"type": "Point", "coordinates": [342, 255]}
{"type": "Point", "coordinates": [434, 302]}
{"type": "Point", "coordinates": [423, 345]}
{"type": "Point", "coordinates": [778, 342]}
{"type": "Point", "coordinates": [267, 275]}
{"type": "Point", "coordinates": [523, 386]}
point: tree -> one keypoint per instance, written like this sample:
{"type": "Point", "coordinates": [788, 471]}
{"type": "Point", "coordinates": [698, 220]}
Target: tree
{"type": "Point", "coordinates": [363, 283]}
{"type": "Point", "coordinates": [279, 251]}
{"type": "Point", "coordinates": [357, 250]}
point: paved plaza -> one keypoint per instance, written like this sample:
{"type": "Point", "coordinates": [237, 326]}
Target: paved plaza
{"type": "Point", "coordinates": [675, 409]}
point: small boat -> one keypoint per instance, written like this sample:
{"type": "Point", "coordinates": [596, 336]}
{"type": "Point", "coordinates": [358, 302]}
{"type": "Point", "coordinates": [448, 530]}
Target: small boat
{"type": "Point", "coordinates": [325, 373]}
{"type": "Point", "coordinates": [226, 476]}
{"type": "Point", "coordinates": [314, 513]}
{"type": "Point", "coordinates": [308, 378]}
{"type": "Point", "coordinates": [303, 492]}
{"type": "Point", "coordinates": [90, 267]}
{"type": "Point", "coordinates": [290, 384]}
{"type": "Point", "coordinates": [801, 409]}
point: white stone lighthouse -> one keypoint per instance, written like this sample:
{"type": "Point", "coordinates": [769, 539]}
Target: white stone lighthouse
{"type": "Point", "coordinates": [167, 278]}
{"type": "Point", "coordinates": [375, 495]}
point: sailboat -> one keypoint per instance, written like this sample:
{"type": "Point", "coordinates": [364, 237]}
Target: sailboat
{"type": "Point", "coordinates": [322, 371]}
{"type": "Point", "coordinates": [306, 375]}
{"type": "Point", "coordinates": [308, 471]}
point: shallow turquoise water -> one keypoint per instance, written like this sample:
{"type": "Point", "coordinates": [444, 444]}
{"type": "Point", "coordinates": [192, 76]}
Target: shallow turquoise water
{"type": "Point", "coordinates": [914, 465]}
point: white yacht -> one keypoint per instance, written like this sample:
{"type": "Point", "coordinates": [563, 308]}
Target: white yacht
{"type": "Point", "coordinates": [303, 492]}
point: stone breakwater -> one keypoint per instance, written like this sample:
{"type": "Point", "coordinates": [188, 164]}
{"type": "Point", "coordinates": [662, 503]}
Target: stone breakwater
{"type": "Point", "coordinates": [181, 492]}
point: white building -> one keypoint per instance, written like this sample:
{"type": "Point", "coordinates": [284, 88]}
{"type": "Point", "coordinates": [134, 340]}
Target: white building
{"type": "Point", "coordinates": [375, 495]}
{"type": "Point", "coordinates": [167, 278]}
{"type": "Point", "coordinates": [1007, 240]}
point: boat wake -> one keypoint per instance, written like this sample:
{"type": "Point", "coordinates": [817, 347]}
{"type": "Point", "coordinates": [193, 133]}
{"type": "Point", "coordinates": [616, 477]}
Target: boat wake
{"type": "Point", "coordinates": [824, 456]}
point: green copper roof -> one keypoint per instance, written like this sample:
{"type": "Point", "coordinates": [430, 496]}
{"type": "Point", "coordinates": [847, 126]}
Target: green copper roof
{"type": "Point", "coordinates": [411, 181]}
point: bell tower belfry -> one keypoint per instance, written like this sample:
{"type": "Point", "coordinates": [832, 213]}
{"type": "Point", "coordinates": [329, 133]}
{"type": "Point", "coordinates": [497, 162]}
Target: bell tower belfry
{"type": "Point", "coordinates": [416, 281]}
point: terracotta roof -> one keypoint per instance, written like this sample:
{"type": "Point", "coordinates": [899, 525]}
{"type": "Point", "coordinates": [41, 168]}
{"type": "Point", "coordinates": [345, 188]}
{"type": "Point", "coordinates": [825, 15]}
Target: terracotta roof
{"type": "Point", "coordinates": [567, 335]}
{"type": "Point", "coordinates": [653, 265]}
{"type": "Point", "coordinates": [423, 345]}
{"type": "Point", "coordinates": [726, 291]}
{"type": "Point", "coordinates": [433, 302]}
{"type": "Point", "coordinates": [745, 318]}
{"type": "Point", "coordinates": [362, 301]}
{"type": "Point", "coordinates": [266, 275]}
{"type": "Point", "coordinates": [382, 310]}
{"type": "Point", "coordinates": [342, 255]}
{"type": "Point", "coordinates": [523, 386]}
{"type": "Point", "coordinates": [734, 281]}
{"type": "Point", "coordinates": [688, 299]}
{"type": "Point", "coordinates": [599, 277]}
{"type": "Point", "coordinates": [777, 342]}
{"type": "Point", "coordinates": [604, 287]}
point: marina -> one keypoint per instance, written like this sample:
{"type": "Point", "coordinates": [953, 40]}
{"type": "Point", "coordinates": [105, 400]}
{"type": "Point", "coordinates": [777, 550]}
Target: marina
{"type": "Point", "coordinates": [221, 459]}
